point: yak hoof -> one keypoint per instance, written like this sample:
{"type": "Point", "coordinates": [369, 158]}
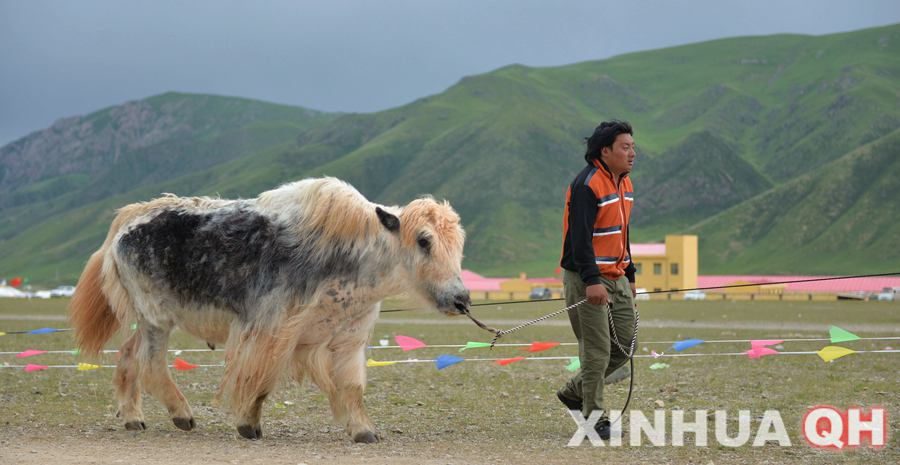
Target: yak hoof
{"type": "Point", "coordinates": [250, 432]}
{"type": "Point", "coordinates": [366, 437]}
{"type": "Point", "coordinates": [186, 424]}
{"type": "Point", "coordinates": [135, 426]}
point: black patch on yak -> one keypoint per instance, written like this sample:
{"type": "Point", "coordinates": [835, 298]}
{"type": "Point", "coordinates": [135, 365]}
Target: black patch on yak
{"type": "Point", "coordinates": [232, 257]}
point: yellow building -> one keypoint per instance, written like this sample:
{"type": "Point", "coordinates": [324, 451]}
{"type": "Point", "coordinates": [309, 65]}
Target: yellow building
{"type": "Point", "coordinates": [668, 266]}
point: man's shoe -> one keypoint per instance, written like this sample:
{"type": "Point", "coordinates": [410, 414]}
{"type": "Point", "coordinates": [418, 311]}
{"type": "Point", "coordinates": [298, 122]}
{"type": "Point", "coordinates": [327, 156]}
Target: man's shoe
{"type": "Point", "coordinates": [569, 403]}
{"type": "Point", "coordinates": [602, 428]}
{"type": "Point", "coordinates": [623, 372]}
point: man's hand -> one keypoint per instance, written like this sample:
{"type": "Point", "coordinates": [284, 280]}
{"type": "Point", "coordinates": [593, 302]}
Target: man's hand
{"type": "Point", "coordinates": [596, 294]}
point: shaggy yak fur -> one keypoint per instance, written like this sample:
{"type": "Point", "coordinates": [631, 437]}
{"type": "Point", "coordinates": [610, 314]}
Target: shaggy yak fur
{"type": "Point", "coordinates": [289, 282]}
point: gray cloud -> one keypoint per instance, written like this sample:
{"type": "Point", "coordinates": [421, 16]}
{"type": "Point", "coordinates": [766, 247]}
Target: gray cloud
{"type": "Point", "coordinates": [62, 58]}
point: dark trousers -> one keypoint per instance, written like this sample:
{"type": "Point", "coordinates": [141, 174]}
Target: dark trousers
{"type": "Point", "coordinates": [599, 355]}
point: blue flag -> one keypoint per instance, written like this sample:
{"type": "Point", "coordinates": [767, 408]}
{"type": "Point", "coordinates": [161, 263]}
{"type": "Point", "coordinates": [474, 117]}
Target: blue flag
{"type": "Point", "coordinates": [443, 361]}
{"type": "Point", "coordinates": [686, 344]}
{"type": "Point", "coordinates": [42, 331]}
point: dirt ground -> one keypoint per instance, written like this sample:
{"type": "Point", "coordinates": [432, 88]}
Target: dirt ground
{"type": "Point", "coordinates": [175, 448]}
{"type": "Point", "coordinates": [470, 413]}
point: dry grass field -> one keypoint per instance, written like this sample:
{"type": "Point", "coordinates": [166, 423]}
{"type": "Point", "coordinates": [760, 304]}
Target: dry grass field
{"type": "Point", "coordinates": [472, 412]}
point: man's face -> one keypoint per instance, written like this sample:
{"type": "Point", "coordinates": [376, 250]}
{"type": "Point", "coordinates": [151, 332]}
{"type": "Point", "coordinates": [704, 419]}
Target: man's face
{"type": "Point", "coordinates": [620, 157]}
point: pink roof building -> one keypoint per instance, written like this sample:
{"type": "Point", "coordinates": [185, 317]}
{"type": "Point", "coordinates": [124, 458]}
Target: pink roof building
{"type": "Point", "coordinates": [874, 284]}
{"type": "Point", "coordinates": [476, 283]}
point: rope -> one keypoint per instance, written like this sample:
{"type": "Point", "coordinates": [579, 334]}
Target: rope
{"type": "Point", "coordinates": [630, 353]}
{"type": "Point", "coordinates": [832, 278]}
{"type": "Point", "coordinates": [500, 333]}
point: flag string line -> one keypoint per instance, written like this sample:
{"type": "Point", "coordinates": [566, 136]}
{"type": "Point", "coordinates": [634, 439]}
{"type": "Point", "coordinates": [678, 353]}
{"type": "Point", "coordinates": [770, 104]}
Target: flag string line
{"type": "Point", "coordinates": [456, 346]}
{"type": "Point", "coordinates": [559, 357]}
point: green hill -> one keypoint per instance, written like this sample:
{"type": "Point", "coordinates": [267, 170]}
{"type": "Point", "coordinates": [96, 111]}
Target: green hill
{"type": "Point", "coordinates": [721, 126]}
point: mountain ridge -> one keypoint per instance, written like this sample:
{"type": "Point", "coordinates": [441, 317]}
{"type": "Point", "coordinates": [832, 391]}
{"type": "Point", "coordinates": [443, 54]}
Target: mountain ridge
{"type": "Point", "coordinates": [718, 124]}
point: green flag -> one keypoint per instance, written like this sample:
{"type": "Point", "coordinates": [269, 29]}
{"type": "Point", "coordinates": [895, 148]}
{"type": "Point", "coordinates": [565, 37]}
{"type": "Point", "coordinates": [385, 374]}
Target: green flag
{"type": "Point", "coordinates": [475, 345]}
{"type": "Point", "coordinates": [841, 335]}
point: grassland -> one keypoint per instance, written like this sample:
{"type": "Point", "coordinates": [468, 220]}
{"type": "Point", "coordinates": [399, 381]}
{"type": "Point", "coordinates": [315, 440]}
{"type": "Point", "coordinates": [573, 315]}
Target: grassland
{"type": "Point", "coordinates": [474, 412]}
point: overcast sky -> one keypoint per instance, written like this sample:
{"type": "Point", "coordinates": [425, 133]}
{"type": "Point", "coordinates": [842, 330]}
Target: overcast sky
{"type": "Point", "coordinates": [64, 58]}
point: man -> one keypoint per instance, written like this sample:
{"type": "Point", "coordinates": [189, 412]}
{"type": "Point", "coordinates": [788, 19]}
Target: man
{"type": "Point", "coordinates": [597, 262]}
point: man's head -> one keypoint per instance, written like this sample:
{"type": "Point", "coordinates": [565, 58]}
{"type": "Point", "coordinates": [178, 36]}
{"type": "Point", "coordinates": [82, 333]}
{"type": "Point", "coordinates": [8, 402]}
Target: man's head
{"type": "Point", "coordinates": [612, 143]}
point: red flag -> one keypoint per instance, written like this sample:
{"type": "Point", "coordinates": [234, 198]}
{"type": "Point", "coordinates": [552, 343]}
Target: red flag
{"type": "Point", "coordinates": [507, 361]}
{"type": "Point", "coordinates": [539, 346]}
{"type": "Point", "coordinates": [15, 282]}
{"type": "Point", "coordinates": [182, 365]}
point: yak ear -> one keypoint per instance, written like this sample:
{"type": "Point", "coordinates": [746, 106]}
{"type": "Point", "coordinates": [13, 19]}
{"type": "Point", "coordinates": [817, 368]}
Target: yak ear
{"type": "Point", "coordinates": [390, 221]}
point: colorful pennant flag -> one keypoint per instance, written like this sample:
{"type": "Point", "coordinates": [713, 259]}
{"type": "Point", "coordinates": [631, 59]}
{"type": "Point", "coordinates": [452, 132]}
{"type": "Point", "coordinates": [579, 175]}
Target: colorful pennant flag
{"type": "Point", "coordinates": [841, 335]}
{"type": "Point", "coordinates": [87, 367]}
{"type": "Point", "coordinates": [475, 345]}
{"type": "Point", "coordinates": [507, 361]}
{"type": "Point", "coordinates": [375, 363]}
{"type": "Point", "coordinates": [686, 344]}
{"type": "Point", "coordinates": [659, 366]}
{"type": "Point", "coordinates": [656, 355]}
{"type": "Point", "coordinates": [830, 353]}
{"type": "Point", "coordinates": [756, 343]}
{"type": "Point", "coordinates": [30, 353]}
{"type": "Point", "coordinates": [75, 351]}
{"type": "Point", "coordinates": [540, 346]}
{"type": "Point", "coordinates": [32, 367]}
{"type": "Point", "coordinates": [43, 331]}
{"type": "Point", "coordinates": [409, 343]}
{"type": "Point", "coordinates": [759, 352]}
{"type": "Point", "coordinates": [574, 364]}
{"type": "Point", "coordinates": [2, 333]}
{"type": "Point", "coordinates": [181, 365]}
{"type": "Point", "coordinates": [443, 361]}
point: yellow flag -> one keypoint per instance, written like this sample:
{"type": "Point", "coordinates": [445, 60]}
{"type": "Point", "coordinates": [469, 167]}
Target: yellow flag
{"type": "Point", "coordinates": [830, 353]}
{"type": "Point", "coordinates": [376, 363]}
{"type": "Point", "coordinates": [87, 367]}
{"type": "Point", "coordinates": [2, 333]}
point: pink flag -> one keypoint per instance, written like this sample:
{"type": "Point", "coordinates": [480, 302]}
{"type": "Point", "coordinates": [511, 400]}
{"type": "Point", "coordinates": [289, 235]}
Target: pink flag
{"type": "Point", "coordinates": [757, 343]}
{"type": "Point", "coordinates": [409, 343]}
{"type": "Point", "coordinates": [32, 367]}
{"type": "Point", "coordinates": [30, 353]}
{"type": "Point", "coordinates": [760, 352]}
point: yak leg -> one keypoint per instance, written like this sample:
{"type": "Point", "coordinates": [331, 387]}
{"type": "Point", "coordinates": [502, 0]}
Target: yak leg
{"type": "Point", "coordinates": [157, 380]}
{"type": "Point", "coordinates": [128, 384]}
{"type": "Point", "coordinates": [348, 375]}
{"type": "Point", "coordinates": [255, 363]}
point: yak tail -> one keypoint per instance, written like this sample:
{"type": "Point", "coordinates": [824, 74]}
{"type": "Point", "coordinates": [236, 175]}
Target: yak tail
{"type": "Point", "coordinates": [89, 311]}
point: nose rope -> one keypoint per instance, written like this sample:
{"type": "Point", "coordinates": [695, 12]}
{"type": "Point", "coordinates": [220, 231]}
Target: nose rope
{"type": "Point", "coordinates": [480, 324]}
{"type": "Point", "coordinates": [502, 332]}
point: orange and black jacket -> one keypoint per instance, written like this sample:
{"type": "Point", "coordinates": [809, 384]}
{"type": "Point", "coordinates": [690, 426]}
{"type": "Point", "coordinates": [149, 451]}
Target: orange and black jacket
{"type": "Point", "coordinates": [595, 225]}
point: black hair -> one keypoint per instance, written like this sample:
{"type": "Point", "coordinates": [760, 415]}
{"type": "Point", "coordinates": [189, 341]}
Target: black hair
{"type": "Point", "coordinates": [605, 136]}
